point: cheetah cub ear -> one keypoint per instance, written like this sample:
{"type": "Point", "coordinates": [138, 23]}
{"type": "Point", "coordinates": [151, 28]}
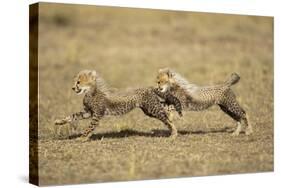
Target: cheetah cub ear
{"type": "Point", "coordinates": [166, 71]}
{"type": "Point", "coordinates": [170, 73]}
{"type": "Point", "coordinates": [93, 74]}
{"type": "Point", "coordinates": [163, 70]}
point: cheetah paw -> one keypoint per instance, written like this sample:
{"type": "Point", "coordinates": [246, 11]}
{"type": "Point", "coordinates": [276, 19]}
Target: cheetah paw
{"type": "Point", "coordinates": [59, 122]}
{"type": "Point", "coordinates": [249, 131]}
{"type": "Point", "coordinates": [173, 135]}
{"type": "Point", "coordinates": [235, 133]}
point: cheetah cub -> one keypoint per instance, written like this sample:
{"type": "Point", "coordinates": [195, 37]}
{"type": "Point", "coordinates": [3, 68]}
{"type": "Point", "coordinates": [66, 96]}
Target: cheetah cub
{"type": "Point", "coordinates": [196, 98]}
{"type": "Point", "coordinates": [100, 101]}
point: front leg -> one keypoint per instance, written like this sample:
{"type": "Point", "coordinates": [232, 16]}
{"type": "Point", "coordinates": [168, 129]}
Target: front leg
{"type": "Point", "coordinates": [73, 118]}
{"type": "Point", "coordinates": [170, 100]}
{"type": "Point", "coordinates": [87, 134]}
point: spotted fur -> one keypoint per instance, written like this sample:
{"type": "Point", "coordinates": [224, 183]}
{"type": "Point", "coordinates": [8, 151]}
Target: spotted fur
{"type": "Point", "coordinates": [100, 101]}
{"type": "Point", "coordinates": [196, 98]}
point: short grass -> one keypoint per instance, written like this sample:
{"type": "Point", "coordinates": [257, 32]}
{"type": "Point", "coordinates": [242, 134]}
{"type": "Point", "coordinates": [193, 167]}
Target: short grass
{"type": "Point", "coordinates": [127, 47]}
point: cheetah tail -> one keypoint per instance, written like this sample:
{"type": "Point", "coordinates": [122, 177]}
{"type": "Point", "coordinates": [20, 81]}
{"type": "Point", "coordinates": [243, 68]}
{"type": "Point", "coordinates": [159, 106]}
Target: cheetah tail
{"type": "Point", "coordinates": [233, 79]}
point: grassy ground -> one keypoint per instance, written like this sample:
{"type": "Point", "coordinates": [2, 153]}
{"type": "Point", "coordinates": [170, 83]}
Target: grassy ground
{"type": "Point", "coordinates": [127, 47]}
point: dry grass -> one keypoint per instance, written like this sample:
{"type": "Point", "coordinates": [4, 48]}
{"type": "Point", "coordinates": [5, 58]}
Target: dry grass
{"type": "Point", "coordinates": [127, 47]}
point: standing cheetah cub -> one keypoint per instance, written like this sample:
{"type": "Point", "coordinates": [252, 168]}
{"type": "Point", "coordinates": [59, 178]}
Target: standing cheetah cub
{"type": "Point", "coordinates": [196, 98]}
{"type": "Point", "coordinates": [100, 101]}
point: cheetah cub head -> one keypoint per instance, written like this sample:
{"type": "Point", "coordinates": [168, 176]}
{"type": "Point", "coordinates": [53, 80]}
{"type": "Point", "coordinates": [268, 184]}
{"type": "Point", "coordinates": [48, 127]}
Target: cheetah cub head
{"type": "Point", "coordinates": [164, 79]}
{"type": "Point", "coordinates": [84, 81]}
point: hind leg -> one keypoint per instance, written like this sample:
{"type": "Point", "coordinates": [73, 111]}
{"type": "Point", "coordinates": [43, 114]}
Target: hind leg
{"type": "Point", "coordinates": [166, 118]}
{"type": "Point", "coordinates": [87, 134]}
{"type": "Point", "coordinates": [171, 126]}
{"type": "Point", "coordinates": [169, 111]}
{"type": "Point", "coordinates": [234, 116]}
{"type": "Point", "coordinates": [249, 129]}
{"type": "Point", "coordinates": [238, 129]}
{"type": "Point", "coordinates": [236, 112]}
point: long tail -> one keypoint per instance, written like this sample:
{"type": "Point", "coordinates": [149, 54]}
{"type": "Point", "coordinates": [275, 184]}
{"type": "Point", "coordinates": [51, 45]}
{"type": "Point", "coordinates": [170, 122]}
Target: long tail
{"type": "Point", "coordinates": [233, 79]}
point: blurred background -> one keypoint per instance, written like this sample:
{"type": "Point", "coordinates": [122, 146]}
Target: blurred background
{"type": "Point", "coordinates": [126, 47]}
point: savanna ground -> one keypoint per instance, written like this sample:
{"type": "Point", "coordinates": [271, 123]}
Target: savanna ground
{"type": "Point", "coordinates": [127, 47]}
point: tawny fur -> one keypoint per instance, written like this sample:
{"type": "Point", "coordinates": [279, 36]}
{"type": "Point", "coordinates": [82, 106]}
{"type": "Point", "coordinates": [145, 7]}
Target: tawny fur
{"type": "Point", "coordinates": [196, 98]}
{"type": "Point", "coordinates": [101, 100]}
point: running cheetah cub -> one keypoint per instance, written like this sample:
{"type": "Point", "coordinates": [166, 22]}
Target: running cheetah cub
{"type": "Point", "coordinates": [196, 98]}
{"type": "Point", "coordinates": [100, 101]}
